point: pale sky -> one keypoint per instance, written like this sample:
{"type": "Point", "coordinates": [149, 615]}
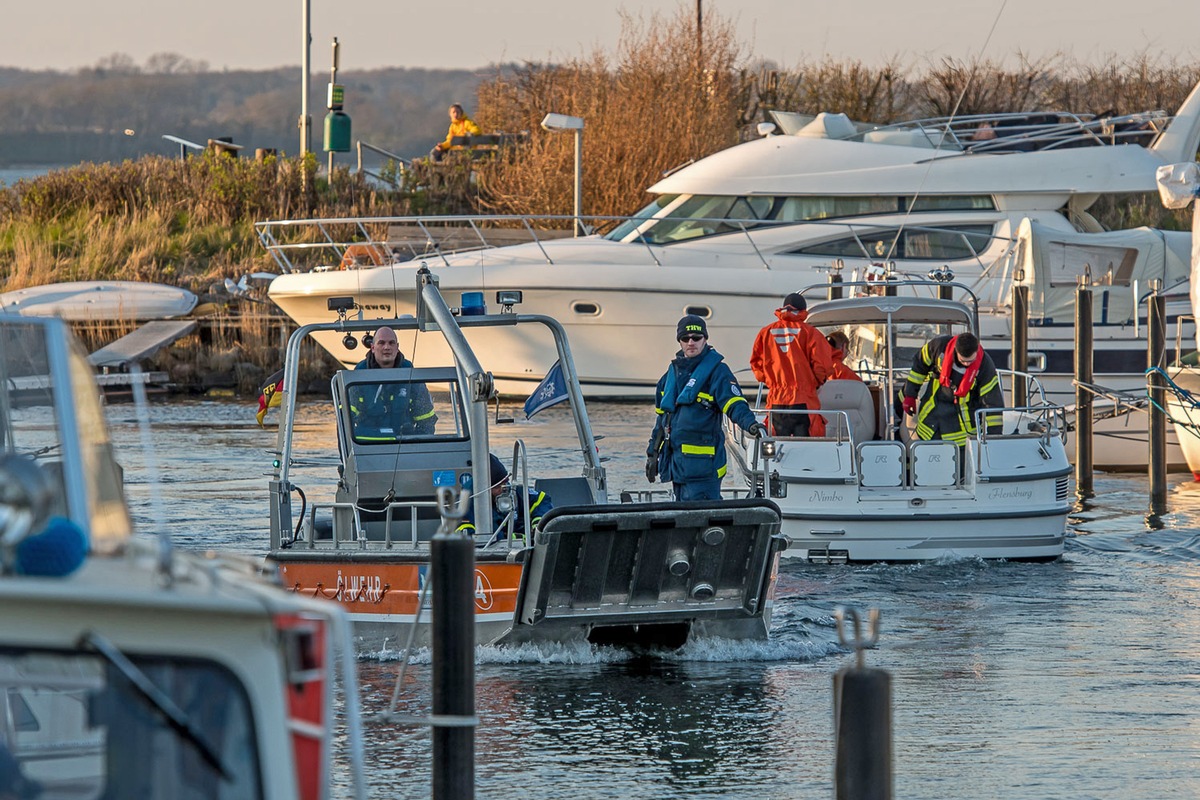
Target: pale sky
{"type": "Point", "coordinates": [256, 34]}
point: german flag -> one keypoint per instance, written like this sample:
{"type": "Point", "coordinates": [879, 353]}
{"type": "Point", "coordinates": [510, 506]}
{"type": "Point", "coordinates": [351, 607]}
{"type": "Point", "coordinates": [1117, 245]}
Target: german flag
{"type": "Point", "coordinates": [270, 396]}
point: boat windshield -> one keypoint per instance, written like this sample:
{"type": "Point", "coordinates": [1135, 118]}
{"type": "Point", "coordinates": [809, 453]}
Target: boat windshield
{"type": "Point", "coordinates": [387, 412]}
{"type": "Point", "coordinates": [945, 243]}
{"type": "Point", "coordinates": [51, 412]}
{"type": "Point", "coordinates": [699, 216]}
{"type": "Point", "coordinates": [77, 728]}
{"type": "Point", "coordinates": [630, 226]}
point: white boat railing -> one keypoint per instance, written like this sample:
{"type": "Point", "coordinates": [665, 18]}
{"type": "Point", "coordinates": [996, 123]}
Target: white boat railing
{"type": "Point", "coordinates": [1032, 131]}
{"type": "Point", "coordinates": [324, 244]}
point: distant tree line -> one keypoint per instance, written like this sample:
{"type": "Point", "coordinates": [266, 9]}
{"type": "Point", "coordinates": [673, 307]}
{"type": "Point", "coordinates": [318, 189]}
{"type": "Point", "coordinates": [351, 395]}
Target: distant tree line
{"type": "Point", "coordinates": [54, 117]}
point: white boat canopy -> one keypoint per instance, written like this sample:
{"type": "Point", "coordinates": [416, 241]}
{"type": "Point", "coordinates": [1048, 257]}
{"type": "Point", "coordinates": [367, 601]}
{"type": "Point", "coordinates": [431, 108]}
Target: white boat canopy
{"type": "Point", "coordinates": [882, 309]}
{"type": "Point", "coordinates": [1121, 265]}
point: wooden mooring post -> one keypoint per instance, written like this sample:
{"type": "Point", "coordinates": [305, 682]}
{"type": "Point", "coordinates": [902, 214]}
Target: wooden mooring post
{"type": "Point", "coordinates": [452, 570]}
{"type": "Point", "coordinates": [1083, 392]}
{"type": "Point", "coordinates": [862, 715]}
{"type": "Point", "coordinates": [1156, 343]}
{"type": "Point", "coordinates": [1019, 362]}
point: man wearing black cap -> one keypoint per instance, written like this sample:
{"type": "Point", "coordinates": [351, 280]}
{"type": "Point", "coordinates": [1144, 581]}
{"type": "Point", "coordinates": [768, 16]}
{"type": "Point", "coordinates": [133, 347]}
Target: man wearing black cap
{"type": "Point", "coordinates": [793, 359]}
{"type": "Point", "coordinates": [538, 502]}
{"type": "Point", "coordinates": [687, 447]}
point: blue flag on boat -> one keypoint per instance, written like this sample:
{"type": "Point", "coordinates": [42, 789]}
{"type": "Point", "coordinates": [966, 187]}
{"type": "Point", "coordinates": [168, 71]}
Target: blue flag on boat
{"type": "Point", "coordinates": [551, 391]}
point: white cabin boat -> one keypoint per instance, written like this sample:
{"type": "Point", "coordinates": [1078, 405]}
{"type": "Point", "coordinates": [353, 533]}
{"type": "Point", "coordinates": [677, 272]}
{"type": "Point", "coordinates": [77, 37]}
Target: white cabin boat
{"type": "Point", "coordinates": [639, 574]}
{"type": "Point", "coordinates": [727, 237]}
{"type": "Point", "coordinates": [871, 491]}
{"type": "Point", "coordinates": [128, 669]}
{"type": "Point", "coordinates": [100, 301]}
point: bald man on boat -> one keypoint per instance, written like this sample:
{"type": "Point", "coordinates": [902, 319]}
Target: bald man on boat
{"type": "Point", "coordinates": [404, 408]}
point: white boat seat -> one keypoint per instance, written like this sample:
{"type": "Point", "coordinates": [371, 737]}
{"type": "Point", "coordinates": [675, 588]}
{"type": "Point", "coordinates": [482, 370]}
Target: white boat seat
{"type": "Point", "coordinates": [934, 463]}
{"type": "Point", "coordinates": [853, 397]}
{"type": "Point", "coordinates": [881, 463]}
{"type": "Point", "coordinates": [814, 459]}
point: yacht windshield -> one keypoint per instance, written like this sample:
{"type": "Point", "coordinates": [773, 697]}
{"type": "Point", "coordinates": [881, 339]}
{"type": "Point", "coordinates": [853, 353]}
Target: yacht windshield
{"type": "Point", "coordinates": [699, 216]}
{"type": "Point", "coordinates": [630, 225]}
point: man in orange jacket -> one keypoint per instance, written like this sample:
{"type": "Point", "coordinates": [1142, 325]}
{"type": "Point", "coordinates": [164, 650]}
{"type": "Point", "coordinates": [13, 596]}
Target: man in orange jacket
{"type": "Point", "coordinates": [793, 359]}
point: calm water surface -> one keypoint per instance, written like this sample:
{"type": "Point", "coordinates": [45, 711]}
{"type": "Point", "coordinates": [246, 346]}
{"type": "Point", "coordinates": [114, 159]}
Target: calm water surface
{"type": "Point", "coordinates": [1078, 679]}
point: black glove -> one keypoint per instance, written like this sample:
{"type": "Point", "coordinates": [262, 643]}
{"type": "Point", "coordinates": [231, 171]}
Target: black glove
{"type": "Point", "coordinates": [651, 468]}
{"type": "Point", "coordinates": [757, 430]}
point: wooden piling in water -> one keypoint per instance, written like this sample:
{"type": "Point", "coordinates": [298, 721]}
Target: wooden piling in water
{"type": "Point", "coordinates": [1083, 395]}
{"type": "Point", "coordinates": [452, 570]}
{"type": "Point", "coordinates": [1156, 343]}
{"type": "Point", "coordinates": [862, 717]}
{"type": "Point", "coordinates": [1019, 361]}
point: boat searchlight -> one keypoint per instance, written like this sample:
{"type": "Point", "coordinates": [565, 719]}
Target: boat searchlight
{"type": "Point", "coordinates": [507, 298]}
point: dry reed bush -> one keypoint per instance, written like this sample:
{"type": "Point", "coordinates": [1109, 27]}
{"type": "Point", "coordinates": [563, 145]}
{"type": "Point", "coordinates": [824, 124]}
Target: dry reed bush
{"type": "Point", "coordinates": [876, 94]}
{"type": "Point", "coordinates": [1143, 82]}
{"type": "Point", "coordinates": [667, 99]}
{"type": "Point", "coordinates": [965, 88]}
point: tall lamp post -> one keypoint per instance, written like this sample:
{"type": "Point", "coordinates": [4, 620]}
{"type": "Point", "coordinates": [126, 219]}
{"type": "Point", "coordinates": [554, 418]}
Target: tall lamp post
{"type": "Point", "coordinates": [305, 119]}
{"type": "Point", "coordinates": [561, 123]}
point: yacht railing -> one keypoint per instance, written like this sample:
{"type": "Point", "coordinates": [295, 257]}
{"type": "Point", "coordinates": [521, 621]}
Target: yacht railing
{"type": "Point", "coordinates": [323, 244]}
{"type": "Point", "coordinates": [1031, 131]}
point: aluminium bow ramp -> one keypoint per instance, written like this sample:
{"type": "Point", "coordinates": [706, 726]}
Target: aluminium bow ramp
{"type": "Point", "coordinates": [653, 573]}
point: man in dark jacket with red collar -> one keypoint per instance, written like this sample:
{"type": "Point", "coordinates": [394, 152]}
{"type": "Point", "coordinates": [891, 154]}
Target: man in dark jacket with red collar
{"type": "Point", "coordinates": [951, 379]}
{"type": "Point", "coordinates": [687, 446]}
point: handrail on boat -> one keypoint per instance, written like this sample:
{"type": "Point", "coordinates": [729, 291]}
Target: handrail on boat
{"type": "Point", "coordinates": [1051, 420]}
{"type": "Point", "coordinates": [273, 235]}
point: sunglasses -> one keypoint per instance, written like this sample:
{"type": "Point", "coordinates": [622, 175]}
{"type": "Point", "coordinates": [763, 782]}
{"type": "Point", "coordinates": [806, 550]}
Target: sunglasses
{"type": "Point", "coordinates": [693, 337]}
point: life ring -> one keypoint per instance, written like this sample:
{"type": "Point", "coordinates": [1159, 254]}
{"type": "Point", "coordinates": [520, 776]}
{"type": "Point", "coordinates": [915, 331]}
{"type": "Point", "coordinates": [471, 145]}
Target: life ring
{"type": "Point", "coordinates": [361, 255]}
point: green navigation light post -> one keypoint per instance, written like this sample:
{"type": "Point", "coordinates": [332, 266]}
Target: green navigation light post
{"type": "Point", "coordinates": [337, 123]}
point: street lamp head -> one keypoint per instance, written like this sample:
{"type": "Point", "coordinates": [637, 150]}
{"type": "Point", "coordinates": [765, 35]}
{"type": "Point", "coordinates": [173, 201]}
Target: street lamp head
{"type": "Point", "coordinates": [561, 122]}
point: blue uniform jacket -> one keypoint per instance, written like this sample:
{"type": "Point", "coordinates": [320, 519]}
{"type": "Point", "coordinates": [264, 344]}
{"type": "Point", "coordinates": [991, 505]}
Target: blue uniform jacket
{"type": "Point", "coordinates": [408, 409]}
{"type": "Point", "coordinates": [687, 435]}
{"type": "Point", "coordinates": [539, 506]}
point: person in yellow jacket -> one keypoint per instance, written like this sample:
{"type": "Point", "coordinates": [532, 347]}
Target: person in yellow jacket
{"type": "Point", "coordinates": [460, 125]}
